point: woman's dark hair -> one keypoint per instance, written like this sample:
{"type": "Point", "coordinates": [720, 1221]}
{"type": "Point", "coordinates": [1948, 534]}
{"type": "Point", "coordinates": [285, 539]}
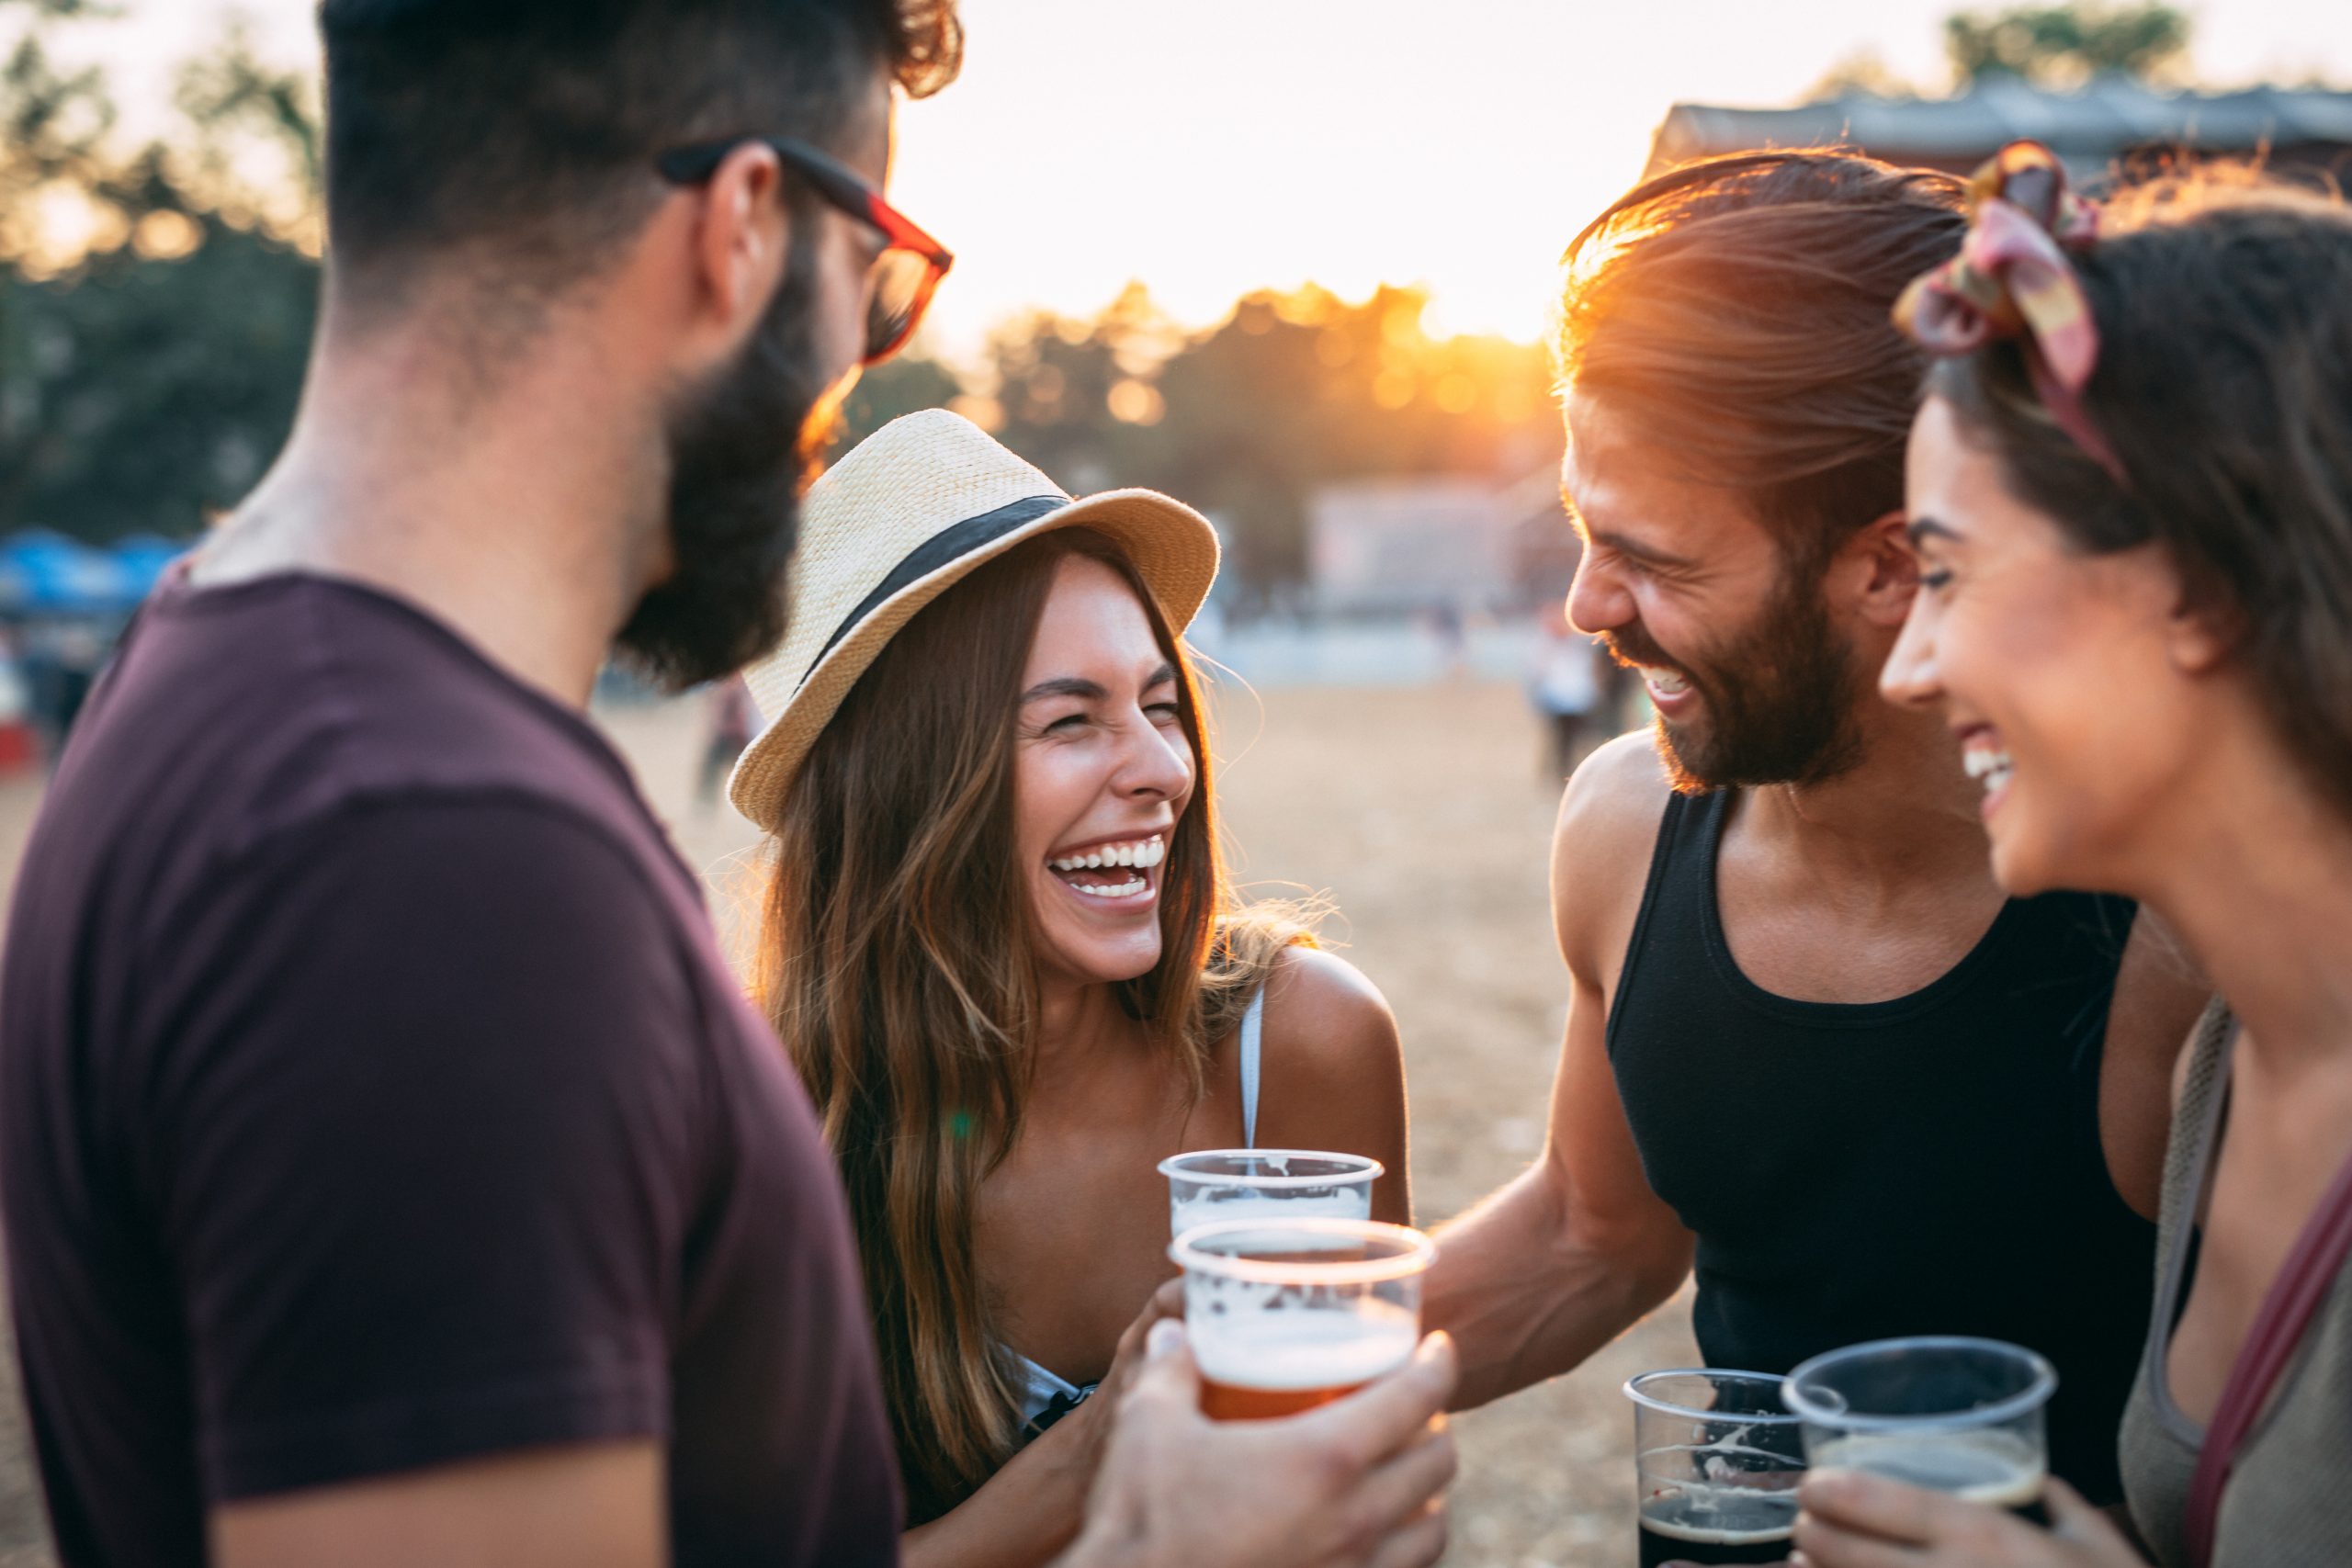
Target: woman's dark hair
{"type": "Point", "coordinates": [2224, 302]}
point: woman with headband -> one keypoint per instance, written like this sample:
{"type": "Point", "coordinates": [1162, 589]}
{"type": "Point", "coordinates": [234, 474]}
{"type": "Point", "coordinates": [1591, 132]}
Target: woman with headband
{"type": "Point", "coordinates": [1000, 948]}
{"type": "Point", "coordinates": [2130, 489]}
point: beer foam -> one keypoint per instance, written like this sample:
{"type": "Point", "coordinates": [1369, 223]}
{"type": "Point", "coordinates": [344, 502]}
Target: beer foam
{"type": "Point", "coordinates": [1348, 1203]}
{"type": "Point", "coordinates": [1707, 1536]}
{"type": "Point", "coordinates": [1999, 1469]}
{"type": "Point", "coordinates": [1283, 1349]}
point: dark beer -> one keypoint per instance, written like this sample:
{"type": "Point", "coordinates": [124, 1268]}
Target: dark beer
{"type": "Point", "coordinates": [1717, 1525]}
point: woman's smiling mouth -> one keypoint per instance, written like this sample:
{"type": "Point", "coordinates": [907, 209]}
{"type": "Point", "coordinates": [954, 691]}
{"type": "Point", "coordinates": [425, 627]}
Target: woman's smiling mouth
{"type": "Point", "coordinates": [1111, 871]}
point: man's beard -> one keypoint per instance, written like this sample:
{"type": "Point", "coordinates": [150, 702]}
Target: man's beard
{"type": "Point", "coordinates": [743, 447]}
{"type": "Point", "coordinates": [1777, 702]}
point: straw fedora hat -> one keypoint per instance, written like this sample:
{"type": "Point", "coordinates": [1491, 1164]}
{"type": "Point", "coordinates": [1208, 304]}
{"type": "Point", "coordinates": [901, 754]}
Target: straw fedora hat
{"type": "Point", "coordinates": [896, 523]}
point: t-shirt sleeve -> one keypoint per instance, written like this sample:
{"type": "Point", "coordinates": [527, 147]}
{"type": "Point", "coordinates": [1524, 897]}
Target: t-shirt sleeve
{"type": "Point", "coordinates": [425, 1134]}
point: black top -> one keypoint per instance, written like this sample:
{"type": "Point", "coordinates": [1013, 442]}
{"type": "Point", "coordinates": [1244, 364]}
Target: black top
{"type": "Point", "coordinates": [1928, 1164]}
{"type": "Point", "coordinates": [372, 1095]}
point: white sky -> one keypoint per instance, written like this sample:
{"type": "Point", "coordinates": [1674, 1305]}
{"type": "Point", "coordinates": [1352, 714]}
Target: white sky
{"type": "Point", "coordinates": [1209, 147]}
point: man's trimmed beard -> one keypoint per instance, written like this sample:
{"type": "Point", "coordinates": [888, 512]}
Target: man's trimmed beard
{"type": "Point", "coordinates": [1777, 701]}
{"type": "Point", "coordinates": [743, 447]}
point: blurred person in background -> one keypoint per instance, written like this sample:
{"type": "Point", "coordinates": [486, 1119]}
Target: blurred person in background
{"type": "Point", "coordinates": [2132, 486]}
{"type": "Point", "coordinates": [727, 705]}
{"type": "Point", "coordinates": [1813, 1051]}
{"type": "Point", "coordinates": [1564, 688]}
{"type": "Point", "coordinates": [393, 1171]}
{"type": "Point", "coordinates": [1000, 948]}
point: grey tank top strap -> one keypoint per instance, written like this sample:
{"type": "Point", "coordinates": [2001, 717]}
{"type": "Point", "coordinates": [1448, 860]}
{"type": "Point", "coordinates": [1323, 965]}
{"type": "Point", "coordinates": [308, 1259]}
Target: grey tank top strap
{"type": "Point", "coordinates": [2286, 1503]}
{"type": "Point", "coordinates": [1253, 1024]}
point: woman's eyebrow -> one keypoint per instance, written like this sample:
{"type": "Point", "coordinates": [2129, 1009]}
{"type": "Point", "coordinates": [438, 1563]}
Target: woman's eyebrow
{"type": "Point", "coordinates": [1920, 528]}
{"type": "Point", "coordinates": [1161, 676]}
{"type": "Point", "coordinates": [1065, 686]}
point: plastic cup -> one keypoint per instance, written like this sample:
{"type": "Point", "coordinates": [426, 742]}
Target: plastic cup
{"type": "Point", "coordinates": [1717, 1459]}
{"type": "Point", "coordinates": [1284, 1316]}
{"type": "Point", "coordinates": [1960, 1415]}
{"type": "Point", "coordinates": [1267, 1185]}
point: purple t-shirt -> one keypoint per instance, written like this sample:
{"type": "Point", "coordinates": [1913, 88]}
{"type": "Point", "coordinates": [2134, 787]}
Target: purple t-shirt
{"type": "Point", "coordinates": [372, 1095]}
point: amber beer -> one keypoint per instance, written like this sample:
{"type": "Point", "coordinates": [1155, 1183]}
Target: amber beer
{"type": "Point", "coordinates": [1286, 1315]}
{"type": "Point", "coordinates": [1279, 1363]}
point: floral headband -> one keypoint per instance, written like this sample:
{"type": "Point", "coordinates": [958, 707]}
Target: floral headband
{"type": "Point", "coordinates": [2011, 279]}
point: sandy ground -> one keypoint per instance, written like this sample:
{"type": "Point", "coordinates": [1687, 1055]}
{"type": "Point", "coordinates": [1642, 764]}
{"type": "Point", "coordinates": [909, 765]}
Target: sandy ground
{"type": "Point", "coordinates": [1421, 812]}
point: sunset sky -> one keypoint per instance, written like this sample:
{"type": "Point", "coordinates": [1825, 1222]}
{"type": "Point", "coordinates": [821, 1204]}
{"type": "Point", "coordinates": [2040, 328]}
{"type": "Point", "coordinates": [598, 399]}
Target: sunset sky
{"type": "Point", "coordinates": [1211, 146]}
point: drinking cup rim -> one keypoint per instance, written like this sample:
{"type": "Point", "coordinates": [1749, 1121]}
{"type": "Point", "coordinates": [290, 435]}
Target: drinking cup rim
{"type": "Point", "coordinates": [2035, 1394]}
{"type": "Point", "coordinates": [1649, 1401]}
{"type": "Point", "coordinates": [1417, 1252]}
{"type": "Point", "coordinates": [1367, 1169]}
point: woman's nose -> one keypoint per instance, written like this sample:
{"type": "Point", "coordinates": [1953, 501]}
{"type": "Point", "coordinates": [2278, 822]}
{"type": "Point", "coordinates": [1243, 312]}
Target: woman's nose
{"type": "Point", "coordinates": [1910, 677]}
{"type": "Point", "coordinates": [1158, 764]}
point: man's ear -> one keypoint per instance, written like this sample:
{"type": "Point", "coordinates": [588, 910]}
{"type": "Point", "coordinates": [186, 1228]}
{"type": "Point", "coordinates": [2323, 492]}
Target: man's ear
{"type": "Point", "coordinates": [738, 242]}
{"type": "Point", "coordinates": [1885, 567]}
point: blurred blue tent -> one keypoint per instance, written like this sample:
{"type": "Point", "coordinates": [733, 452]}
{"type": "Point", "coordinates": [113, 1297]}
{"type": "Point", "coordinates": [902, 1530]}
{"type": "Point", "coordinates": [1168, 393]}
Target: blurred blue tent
{"type": "Point", "coordinates": [45, 573]}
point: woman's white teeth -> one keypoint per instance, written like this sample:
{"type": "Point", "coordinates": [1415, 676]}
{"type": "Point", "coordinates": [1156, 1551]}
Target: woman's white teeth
{"type": "Point", "coordinates": [1124, 890]}
{"type": "Point", "coordinates": [1990, 767]}
{"type": "Point", "coordinates": [1143, 855]}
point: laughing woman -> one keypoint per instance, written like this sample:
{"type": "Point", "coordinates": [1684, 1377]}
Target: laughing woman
{"type": "Point", "coordinates": [2131, 488]}
{"type": "Point", "coordinates": [1001, 949]}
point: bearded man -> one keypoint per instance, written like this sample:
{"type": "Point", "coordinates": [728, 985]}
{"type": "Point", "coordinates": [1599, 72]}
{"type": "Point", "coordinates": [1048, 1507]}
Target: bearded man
{"type": "Point", "coordinates": [1811, 1052]}
{"type": "Point", "coordinates": [393, 1172]}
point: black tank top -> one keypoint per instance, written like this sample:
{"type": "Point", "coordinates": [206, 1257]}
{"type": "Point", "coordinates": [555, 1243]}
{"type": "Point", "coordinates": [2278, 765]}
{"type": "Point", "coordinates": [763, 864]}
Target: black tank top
{"type": "Point", "coordinates": [1928, 1164]}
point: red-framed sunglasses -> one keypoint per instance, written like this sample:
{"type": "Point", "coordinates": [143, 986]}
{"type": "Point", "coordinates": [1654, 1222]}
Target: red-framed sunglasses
{"type": "Point", "coordinates": [904, 277]}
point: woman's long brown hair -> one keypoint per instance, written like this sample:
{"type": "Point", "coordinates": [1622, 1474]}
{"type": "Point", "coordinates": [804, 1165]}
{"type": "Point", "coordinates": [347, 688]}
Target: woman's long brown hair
{"type": "Point", "coordinates": [898, 968]}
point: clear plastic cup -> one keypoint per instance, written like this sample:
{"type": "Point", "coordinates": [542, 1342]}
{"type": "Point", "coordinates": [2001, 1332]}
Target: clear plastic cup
{"type": "Point", "coordinates": [1286, 1315]}
{"type": "Point", "coordinates": [1952, 1415]}
{"type": "Point", "coordinates": [1717, 1458]}
{"type": "Point", "coordinates": [1267, 1184]}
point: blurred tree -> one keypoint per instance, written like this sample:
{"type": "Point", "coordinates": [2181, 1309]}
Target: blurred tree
{"type": "Point", "coordinates": [155, 306]}
{"type": "Point", "coordinates": [2066, 45]}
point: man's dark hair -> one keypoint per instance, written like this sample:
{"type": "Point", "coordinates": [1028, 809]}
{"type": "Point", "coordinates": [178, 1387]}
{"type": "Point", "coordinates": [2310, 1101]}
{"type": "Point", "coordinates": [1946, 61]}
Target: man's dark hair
{"type": "Point", "coordinates": [520, 134]}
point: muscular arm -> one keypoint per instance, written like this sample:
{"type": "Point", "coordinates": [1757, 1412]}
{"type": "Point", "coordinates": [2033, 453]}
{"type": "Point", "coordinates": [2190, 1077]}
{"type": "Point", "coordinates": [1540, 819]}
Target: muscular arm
{"type": "Point", "coordinates": [589, 1506]}
{"type": "Point", "coordinates": [1573, 1252]}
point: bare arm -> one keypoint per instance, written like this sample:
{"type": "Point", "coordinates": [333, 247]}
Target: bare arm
{"type": "Point", "coordinates": [1031, 1507]}
{"type": "Point", "coordinates": [1334, 1074]}
{"type": "Point", "coordinates": [1575, 1250]}
{"type": "Point", "coordinates": [587, 1507]}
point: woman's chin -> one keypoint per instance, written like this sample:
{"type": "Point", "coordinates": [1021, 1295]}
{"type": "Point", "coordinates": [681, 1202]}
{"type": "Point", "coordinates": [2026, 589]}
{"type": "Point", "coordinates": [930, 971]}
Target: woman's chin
{"type": "Point", "coordinates": [1093, 965]}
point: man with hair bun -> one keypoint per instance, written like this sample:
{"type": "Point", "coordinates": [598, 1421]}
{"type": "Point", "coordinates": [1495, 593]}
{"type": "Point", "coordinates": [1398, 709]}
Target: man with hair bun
{"type": "Point", "coordinates": [1813, 1054]}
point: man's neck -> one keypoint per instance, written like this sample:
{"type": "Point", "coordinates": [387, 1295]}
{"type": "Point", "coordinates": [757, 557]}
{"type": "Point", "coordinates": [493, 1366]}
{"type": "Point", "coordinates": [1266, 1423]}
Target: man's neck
{"type": "Point", "coordinates": [526, 513]}
{"type": "Point", "coordinates": [1906, 810]}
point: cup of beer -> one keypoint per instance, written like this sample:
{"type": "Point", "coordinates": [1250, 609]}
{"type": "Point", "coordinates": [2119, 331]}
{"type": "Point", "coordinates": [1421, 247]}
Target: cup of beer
{"type": "Point", "coordinates": [1267, 1184]}
{"type": "Point", "coordinates": [1717, 1459]}
{"type": "Point", "coordinates": [1284, 1316]}
{"type": "Point", "coordinates": [1952, 1414]}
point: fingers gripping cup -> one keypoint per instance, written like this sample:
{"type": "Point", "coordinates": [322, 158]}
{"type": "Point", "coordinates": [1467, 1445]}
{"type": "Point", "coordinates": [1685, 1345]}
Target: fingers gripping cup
{"type": "Point", "coordinates": [1718, 1459]}
{"type": "Point", "coordinates": [1267, 1184]}
{"type": "Point", "coordinates": [1952, 1414]}
{"type": "Point", "coordinates": [1284, 1316]}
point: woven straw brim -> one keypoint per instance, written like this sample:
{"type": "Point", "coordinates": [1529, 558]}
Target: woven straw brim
{"type": "Point", "coordinates": [1173, 549]}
